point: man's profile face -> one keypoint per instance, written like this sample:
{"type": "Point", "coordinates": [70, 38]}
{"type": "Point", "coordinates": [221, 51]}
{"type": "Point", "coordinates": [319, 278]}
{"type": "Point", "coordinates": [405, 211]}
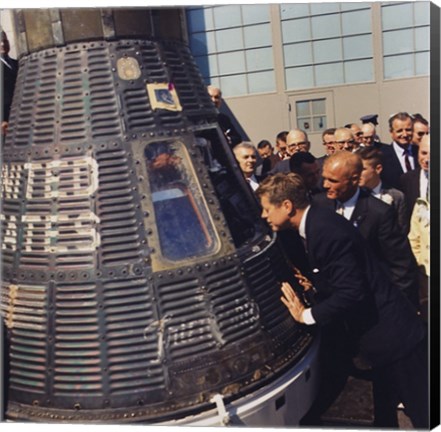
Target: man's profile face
{"type": "Point", "coordinates": [370, 176]}
{"type": "Point", "coordinates": [402, 131]}
{"type": "Point", "coordinates": [276, 216]}
{"type": "Point", "coordinates": [338, 180]}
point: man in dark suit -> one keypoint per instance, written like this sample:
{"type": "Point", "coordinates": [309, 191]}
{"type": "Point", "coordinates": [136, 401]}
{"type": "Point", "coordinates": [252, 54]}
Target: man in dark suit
{"type": "Point", "coordinates": [352, 289]}
{"type": "Point", "coordinates": [371, 179]}
{"type": "Point", "coordinates": [400, 156]}
{"type": "Point", "coordinates": [369, 137]}
{"type": "Point", "coordinates": [231, 134]}
{"type": "Point", "coordinates": [296, 141]}
{"type": "Point", "coordinates": [268, 159]}
{"type": "Point", "coordinates": [415, 183]}
{"type": "Point", "coordinates": [9, 69]}
{"type": "Point", "coordinates": [375, 219]}
{"type": "Point", "coordinates": [306, 166]}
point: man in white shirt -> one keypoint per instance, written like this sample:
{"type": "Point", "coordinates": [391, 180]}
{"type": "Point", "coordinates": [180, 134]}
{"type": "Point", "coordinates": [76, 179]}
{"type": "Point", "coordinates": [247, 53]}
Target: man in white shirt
{"type": "Point", "coordinates": [376, 220]}
{"type": "Point", "coordinates": [246, 155]}
{"type": "Point", "coordinates": [355, 301]}
{"type": "Point", "coordinates": [400, 156]}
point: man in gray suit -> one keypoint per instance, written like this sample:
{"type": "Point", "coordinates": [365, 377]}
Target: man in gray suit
{"type": "Point", "coordinates": [371, 179]}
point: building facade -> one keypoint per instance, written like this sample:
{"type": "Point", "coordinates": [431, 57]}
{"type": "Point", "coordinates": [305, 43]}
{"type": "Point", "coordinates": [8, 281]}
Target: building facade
{"type": "Point", "coordinates": [310, 65]}
{"type": "Point", "coordinates": [314, 65]}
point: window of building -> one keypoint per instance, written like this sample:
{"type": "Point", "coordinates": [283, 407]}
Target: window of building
{"type": "Point", "coordinates": [326, 44]}
{"type": "Point", "coordinates": [406, 39]}
{"type": "Point", "coordinates": [311, 115]}
{"type": "Point", "coordinates": [232, 46]}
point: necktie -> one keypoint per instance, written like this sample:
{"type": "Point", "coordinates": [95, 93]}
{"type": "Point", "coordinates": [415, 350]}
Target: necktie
{"type": "Point", "coordinates": [407, 161]}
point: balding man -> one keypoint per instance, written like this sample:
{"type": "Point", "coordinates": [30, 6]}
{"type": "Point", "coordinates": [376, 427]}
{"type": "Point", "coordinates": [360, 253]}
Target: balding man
{"type": "Point", "coordinates": [419, 234]}
{"type": "Point", "coordinates": [344, 139]}
{"type": "Point", "coordinates": [233, 137]}
{"type": "Point", "coordinates": [357, 133]}
{"type": "Point", "coordinates": [415, 184]}
{"type": "Point", "coordinates": [296, 141]}
{"type": "Point", "coordinates": [370, 137]}
{"type": "Point", "coordinates": [375, 219]}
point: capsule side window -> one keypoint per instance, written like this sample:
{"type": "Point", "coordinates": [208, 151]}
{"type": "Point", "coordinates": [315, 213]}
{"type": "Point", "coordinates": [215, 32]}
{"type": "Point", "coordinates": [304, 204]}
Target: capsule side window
{"type": "Point", "coordinates": [184, 226]}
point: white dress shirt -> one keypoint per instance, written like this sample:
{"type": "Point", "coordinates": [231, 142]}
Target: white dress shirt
{"type": "Point", "coordinates": [253, 182]}
{"type": "Point", "coordinates": [349, 205]}
{"type": "Point", "coordinates": [306, 314]}
{"type": "Point", "coordinates": [424, 183]}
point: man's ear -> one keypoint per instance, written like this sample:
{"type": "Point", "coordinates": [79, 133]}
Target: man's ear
{"type": "Point", "coordinates": [356, 178]}
{"type": "Point", "coordinates": [288, 206]}
{"type": "Point", "coordinates": [379, 168]}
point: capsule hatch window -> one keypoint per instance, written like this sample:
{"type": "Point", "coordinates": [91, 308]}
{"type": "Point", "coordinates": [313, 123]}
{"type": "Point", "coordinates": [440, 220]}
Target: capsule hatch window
{"type": "Point", "coordinates": [183, 224]}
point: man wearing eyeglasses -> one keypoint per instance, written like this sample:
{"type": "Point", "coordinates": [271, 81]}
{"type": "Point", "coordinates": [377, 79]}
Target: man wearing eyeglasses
{"type": "Point", "coordinates": [296, 141]}
{"type": "Point", "coordinates": [370, 137]}
{"type": "Point", "coordinates": [344, 139]}
{"type": "Point", "coordinates": [358, 135]}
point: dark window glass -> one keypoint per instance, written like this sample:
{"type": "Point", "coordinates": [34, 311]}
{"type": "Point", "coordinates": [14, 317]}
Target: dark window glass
{"type": "Point", "coordinates": [184, 227]}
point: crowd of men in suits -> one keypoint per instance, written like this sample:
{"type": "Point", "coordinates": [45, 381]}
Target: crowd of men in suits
{"type": "Point", "coordinates": [361, 212]}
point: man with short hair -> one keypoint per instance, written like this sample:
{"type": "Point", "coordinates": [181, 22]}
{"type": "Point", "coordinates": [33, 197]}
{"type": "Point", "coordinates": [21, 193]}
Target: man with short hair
{"type": "Point", "coordinates": [368, 134]}
{"type": "Point", "coordinates": [415, 183]}
{"type": "Point", "coordinates": [420, 128]}
{"type": "Point", "coordinates": [355, 305]}
{"type": "Point", "coordinates": [231, 134]}
{"type": "Point", "coordinates": [419, 234]}
{"type": "Point", "coordinates": [306, 166]}
{"type": "Point", "coordinates": [296, 141]}
{"type": "Point", "coordinates": [399, 157]}
{"type": "Point", "coordinates": [268, 159]}
{"type": "Point", "coordinates": [375, 219]}
{"type": "Point", "coordinates": [344, 139]}
{"type": "Point", "coordinates": [281, 150]}
{"type": "Point", "coordinates": [371, 179]}
{"type": "Point", "coordinates": [357, 134]}
{"type": "Point", "coordinates": [246, 156]}
{"type": "Point", "coordinates": [328, 140]}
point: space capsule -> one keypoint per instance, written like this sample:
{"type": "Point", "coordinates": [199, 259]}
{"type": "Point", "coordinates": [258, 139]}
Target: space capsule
{"type": "Point", "coordinates": [139, 283]}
